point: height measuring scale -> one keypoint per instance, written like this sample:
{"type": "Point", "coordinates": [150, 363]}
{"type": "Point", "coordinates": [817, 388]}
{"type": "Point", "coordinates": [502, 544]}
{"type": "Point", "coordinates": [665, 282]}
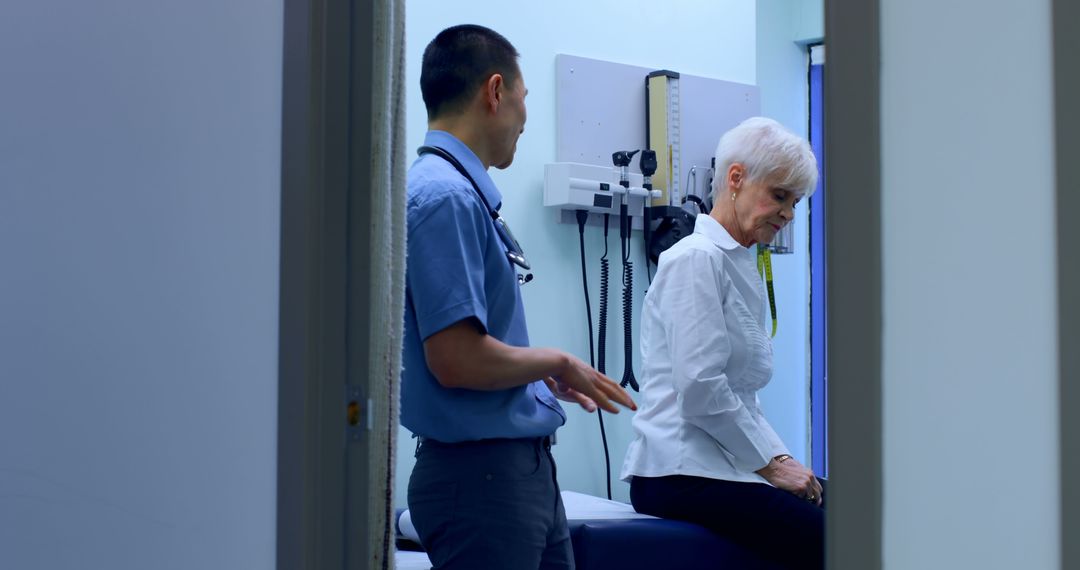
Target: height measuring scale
{"type": "Point", "coordinates": [664, 121]}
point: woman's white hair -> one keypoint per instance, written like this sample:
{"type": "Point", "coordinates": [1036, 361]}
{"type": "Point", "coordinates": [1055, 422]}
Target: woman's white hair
{"type": "Point", "coordinates": [770, 154]}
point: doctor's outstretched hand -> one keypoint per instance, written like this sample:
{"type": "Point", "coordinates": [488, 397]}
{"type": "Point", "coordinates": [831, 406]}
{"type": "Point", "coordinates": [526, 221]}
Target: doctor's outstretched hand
{"type": "Point", "coordinates": [567, 394]}
{"type": "Point", "coordinates": [579, 383]}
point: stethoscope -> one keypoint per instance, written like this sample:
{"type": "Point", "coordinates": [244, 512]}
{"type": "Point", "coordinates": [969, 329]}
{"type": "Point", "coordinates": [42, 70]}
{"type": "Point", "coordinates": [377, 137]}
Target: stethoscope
{"type": "Point", "coordinates": [514, 253]}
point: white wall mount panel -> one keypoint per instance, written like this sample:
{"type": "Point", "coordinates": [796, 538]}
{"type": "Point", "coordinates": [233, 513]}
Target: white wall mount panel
{"type": "Point", "coordinates": [600, 109]}
{"type": "Point", "coordinates": [572, 186]}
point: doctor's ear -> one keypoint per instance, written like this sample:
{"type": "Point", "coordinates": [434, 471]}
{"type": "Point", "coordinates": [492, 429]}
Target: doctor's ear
{"type": "Point", "coordinates": [493, 91]}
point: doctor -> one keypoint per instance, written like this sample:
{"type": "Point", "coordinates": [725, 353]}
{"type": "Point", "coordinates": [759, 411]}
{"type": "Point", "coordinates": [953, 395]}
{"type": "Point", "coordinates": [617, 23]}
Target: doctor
{"type": "Point", "coordinates": [483, 493]}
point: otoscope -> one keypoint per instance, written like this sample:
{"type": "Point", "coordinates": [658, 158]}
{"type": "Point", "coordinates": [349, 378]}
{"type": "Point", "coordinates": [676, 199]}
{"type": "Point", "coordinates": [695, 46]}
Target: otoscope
{"type": "Point", "coordinates": [622, 160]}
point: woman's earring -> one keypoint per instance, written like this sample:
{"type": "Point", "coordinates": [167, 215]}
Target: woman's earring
{"type": "Point", "coordinates": [732, 196]}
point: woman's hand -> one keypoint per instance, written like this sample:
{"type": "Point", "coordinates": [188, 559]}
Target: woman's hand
{"type": "Point", "coordinates": [791, 476]}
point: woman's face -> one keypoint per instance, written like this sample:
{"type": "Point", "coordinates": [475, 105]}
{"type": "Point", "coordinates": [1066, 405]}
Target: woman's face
{"type": "Point", "coordinates": [762, 209]}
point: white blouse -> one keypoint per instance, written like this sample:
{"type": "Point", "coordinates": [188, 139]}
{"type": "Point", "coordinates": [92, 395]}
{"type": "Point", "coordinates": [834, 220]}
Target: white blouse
{"type": "Point", "coordinates": [705, 354]}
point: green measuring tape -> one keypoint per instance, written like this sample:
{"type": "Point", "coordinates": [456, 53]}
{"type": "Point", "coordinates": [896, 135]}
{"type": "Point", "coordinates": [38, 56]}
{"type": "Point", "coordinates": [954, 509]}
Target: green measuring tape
{"type": "Point", "coordinates": [764, 268]}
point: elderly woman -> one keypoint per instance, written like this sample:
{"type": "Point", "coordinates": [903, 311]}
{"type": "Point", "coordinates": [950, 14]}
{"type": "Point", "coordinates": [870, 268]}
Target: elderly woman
{"type": "Point", "coordinates": [702, 449]}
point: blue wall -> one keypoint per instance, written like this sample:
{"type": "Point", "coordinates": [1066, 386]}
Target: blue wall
{"type": "Point", "coordinates": [783, 27]}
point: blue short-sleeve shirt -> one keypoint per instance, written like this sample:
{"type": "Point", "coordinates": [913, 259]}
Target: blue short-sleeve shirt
{"type": "Point", "coordinates": [457, 269]}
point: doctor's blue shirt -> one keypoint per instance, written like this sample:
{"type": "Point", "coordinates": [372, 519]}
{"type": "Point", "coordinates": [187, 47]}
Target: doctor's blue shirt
{"type": "Point", "coordinates": [456, 269]}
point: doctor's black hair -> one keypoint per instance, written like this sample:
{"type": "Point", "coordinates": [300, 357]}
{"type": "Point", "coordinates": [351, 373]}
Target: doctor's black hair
{"type": "Point", "coordinates": [458, 61]}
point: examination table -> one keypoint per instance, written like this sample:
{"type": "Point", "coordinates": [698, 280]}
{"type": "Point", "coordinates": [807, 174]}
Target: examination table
{"type": "Point", "coordinates": [608, 535]}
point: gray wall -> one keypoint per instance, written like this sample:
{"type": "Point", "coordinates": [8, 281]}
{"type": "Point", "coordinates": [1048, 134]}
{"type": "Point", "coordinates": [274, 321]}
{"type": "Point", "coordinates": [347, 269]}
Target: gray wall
{"type": "Point", "coordinates": [970, 387]}
{"type": "Point", "coordinates": [139, 214]}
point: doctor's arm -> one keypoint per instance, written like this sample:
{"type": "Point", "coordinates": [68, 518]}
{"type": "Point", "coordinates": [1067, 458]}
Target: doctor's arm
{"type": "Point", "coordinates": [463, 356]}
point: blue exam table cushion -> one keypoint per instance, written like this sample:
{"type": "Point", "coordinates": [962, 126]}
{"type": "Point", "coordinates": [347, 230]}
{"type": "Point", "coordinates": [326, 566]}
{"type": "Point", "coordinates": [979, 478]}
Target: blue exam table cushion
{"type": "Point", "coordinates": [609, 534]}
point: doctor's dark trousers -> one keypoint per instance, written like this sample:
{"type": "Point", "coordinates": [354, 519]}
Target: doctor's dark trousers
{"type": "Point", "coordinates": [491, 504]}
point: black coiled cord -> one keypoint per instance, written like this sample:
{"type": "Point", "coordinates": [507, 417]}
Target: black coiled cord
{"type": "Point", "coordinates": [582, 216]}
{"type": "Point", "coordinates": [628, 311]}
{"type": "Point", "coordinates": [605, 278]}
{"type": "Point", "coordinates": [628, 327]}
